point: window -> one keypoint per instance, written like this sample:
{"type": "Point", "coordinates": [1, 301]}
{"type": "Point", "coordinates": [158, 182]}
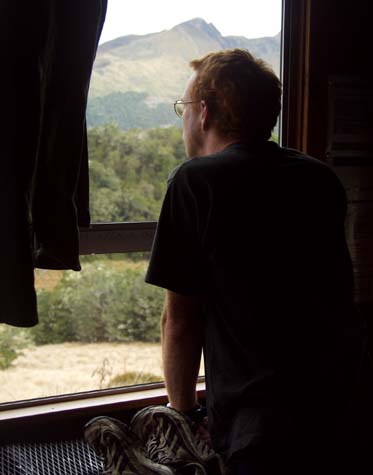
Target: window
{"type": "Point", "coordinates": [99, 328]}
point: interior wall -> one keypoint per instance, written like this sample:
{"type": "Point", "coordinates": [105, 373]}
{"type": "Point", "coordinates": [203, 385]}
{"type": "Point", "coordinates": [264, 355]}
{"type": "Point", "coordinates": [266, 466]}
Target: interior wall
{"type": "Point", "coordinates": [340, 44]}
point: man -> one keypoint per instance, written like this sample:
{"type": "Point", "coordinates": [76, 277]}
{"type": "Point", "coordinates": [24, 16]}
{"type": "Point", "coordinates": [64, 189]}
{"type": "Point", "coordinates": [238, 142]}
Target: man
{"type": "Point", "coordinates": [250, 246]}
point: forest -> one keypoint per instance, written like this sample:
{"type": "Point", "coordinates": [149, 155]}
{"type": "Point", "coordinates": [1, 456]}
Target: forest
{"type": "Point", "coordinates": [129, 170]}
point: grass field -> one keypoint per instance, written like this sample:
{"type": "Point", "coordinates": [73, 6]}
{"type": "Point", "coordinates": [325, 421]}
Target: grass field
{"type": "Point", "coordinates": [65, 368]}
{"type": "Point", "coordinates": [55, 369]}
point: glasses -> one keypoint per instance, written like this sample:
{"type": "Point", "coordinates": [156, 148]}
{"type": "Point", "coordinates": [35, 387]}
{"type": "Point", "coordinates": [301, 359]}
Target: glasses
{"type": "Point", "coordinates": [179, 106]}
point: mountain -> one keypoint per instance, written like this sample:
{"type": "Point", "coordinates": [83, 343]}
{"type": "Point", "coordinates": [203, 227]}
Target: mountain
{"type": "Point", "coordinates": [155, 66]}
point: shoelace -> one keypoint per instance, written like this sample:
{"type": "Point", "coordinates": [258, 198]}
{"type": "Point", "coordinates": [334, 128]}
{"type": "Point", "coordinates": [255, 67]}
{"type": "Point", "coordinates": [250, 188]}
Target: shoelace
{"type": "Point", "coordinates": [158, 451]}
{"type": "Point", "coordinates": [160, 446]}
{"type": "Point", "coordinates": [203, 448]}
{"type": "Point", "coordinates": [113, 460]}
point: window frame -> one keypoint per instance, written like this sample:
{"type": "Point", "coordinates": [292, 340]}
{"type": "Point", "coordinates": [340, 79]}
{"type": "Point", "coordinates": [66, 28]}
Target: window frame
{"type": "Point", "coordinates": [104, 238]}
{"type": "Point", "coordinates": [295, 72]}
{"type": "Point", "coordinates": [109, 238]}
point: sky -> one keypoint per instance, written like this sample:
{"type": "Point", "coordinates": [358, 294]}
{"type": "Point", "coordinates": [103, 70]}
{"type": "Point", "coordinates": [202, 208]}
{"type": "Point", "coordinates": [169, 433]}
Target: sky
{"type": "Point", "coordinates": [250, 18]}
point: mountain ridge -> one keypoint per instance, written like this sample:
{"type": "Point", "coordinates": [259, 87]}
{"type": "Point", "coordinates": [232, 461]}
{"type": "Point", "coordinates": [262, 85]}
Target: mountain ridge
{"type": "Point", "coordinates": [167, 53]}
{"type": "Point", "coordinates": [155, 67]}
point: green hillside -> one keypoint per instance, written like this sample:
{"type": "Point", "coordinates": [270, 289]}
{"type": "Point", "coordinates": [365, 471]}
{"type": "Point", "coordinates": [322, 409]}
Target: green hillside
{"type": "Point", "coordinates": [136, 78]}
{"type": "Point", "coordinates": [129, 110]}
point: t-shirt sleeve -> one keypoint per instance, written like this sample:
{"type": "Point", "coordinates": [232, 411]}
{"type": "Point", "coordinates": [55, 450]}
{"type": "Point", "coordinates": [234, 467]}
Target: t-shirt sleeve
{"type": "Point", "coordinates": [176, 261]}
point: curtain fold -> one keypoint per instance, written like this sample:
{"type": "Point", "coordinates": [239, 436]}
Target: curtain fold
{"type": "Point", "coordinates": [49, 52]}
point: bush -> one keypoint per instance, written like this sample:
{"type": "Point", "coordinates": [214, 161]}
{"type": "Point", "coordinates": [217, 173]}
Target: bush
{"type": "Point", "coordinates": [133, 377]}
{"type": "Point", "coordinates": [104, 302]}
{"type": "Point", "coordinates": [136, 309]}
{"type": "Point", "coordinates": [55, 319]}
{"type": "Point", "coordinates": [12, 340]}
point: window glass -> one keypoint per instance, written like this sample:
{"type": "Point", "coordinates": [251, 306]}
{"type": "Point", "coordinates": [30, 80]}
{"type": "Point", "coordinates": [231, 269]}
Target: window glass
{"type": "Point", "coordinates": [99, 328]}
{"type": "Point", "coordinates": [141, 67]}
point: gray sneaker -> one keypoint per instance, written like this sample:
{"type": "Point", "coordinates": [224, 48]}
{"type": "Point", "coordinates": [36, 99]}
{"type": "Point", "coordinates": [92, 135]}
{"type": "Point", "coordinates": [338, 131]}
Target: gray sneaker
{"type": "Point", "coordinates": [120, 448]}
{"type": "Point", "coordinates": [169, 440]}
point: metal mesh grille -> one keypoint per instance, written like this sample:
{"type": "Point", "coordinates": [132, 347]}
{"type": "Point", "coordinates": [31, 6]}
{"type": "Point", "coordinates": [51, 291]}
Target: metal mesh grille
{"type": "Point", "coordinates": [72, 457]}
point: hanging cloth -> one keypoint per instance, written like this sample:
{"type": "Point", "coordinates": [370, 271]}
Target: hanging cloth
{"type": "Point", "coordinates": [50, 49]}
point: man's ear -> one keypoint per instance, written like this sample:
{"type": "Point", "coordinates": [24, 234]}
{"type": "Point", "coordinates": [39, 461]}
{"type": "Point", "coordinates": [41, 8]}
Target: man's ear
{"type": "Point", "coordinates": [205, 116]}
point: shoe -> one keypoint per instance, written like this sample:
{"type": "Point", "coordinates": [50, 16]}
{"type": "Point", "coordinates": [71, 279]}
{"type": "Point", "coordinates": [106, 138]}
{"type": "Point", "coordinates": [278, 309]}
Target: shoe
{"type": "Point", "coordinates": [122, 451]}
{"type": "Point", "coordinates": [168, 439]}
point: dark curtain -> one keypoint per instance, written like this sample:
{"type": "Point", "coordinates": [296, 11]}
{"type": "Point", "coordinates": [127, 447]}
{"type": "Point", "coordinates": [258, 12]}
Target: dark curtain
{"type": "Point", "coordinates": [48, 51]}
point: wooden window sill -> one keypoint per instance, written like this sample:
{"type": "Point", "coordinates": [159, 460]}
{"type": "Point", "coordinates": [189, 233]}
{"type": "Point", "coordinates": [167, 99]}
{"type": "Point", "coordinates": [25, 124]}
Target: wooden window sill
{"type": "Point", "coordinates": [65, 419]}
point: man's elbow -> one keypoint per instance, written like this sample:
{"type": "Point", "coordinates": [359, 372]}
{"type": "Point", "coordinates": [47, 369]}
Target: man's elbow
{"type": "Point", "coordinates": [175, 327]}
{"type": "Point", "coordinates": [181, 316]}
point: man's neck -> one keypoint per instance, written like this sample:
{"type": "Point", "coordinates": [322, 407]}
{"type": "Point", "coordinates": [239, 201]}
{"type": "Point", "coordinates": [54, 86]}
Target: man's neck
{"type": "Point", "coordinates": [214, 143]}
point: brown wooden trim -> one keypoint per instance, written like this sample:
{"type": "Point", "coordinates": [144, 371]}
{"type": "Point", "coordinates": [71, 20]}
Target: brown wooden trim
{"type": "Point", "coordinates": [306, 76]}
{"type": "Point", "coordinates": [65, 420]}
{"type": "Point", "coordinates": [98, 393]}
{"type": "Point", "coordinates": [295, 72]}
{"type": "Point", "coordinates": [66, 398]}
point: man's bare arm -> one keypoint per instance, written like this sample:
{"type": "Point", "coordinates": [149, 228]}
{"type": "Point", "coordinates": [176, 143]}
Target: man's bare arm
{"type": "Point", "coordinates": [182, 323]}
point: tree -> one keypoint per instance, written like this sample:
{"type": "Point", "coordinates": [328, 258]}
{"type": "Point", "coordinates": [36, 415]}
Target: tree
{"type": "Point", "coordinates": [129, 169]}
{"type": "Point", "coordinates": [103, 302]}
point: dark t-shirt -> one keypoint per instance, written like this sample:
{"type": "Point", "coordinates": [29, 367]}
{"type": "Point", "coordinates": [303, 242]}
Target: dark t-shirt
{"type": "Point", "coordinates": [259, 235]}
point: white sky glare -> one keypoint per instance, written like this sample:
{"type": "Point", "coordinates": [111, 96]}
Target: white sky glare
{"type": "Point", "coordinates": [250, 18]}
